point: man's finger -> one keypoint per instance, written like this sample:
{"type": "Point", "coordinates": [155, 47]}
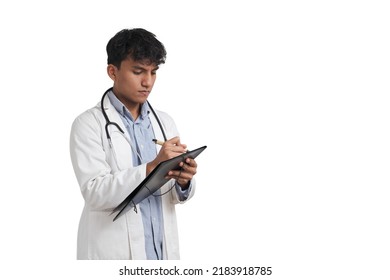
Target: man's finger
{"type": "Point", "coordinates": [191, 162]}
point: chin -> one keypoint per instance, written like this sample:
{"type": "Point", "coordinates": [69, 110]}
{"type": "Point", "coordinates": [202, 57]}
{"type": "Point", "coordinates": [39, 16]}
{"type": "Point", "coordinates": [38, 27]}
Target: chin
{"type": "Point", "coordinates": [142, 100]}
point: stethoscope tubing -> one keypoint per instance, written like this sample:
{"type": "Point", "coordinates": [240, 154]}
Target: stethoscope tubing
{"type": "Point", "coordinates": [108, 122]}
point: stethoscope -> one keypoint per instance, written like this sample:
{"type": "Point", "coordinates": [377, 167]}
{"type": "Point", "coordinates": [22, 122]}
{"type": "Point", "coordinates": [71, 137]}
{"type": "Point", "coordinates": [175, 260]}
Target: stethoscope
{"type": "Point", "coordinates": [108, 122]}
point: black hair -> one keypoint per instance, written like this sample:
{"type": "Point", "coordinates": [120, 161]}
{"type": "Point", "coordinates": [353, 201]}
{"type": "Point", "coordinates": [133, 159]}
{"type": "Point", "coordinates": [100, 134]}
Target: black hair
{"type": "Point", "coordinates": [138, 44]}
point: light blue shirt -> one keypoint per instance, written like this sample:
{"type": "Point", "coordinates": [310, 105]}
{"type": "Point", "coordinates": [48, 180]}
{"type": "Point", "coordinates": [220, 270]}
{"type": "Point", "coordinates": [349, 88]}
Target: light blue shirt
{"type": "Point", "coordinates": [144, 151]}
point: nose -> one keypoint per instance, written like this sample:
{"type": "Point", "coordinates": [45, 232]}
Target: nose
{"type": "Point", "coordinates": [147, 80]}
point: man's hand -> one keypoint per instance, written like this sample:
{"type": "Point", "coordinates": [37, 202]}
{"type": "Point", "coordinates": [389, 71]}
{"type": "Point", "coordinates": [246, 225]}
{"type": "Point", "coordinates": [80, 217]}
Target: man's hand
{"type": "Point", "coordinates": [184, 176]}
{"type": "Point", "coordinates": [170, 149]}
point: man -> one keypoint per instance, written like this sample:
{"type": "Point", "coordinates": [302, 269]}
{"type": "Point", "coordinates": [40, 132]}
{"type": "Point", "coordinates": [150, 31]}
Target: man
{"type": "Point", "coordinates": [110, 164]}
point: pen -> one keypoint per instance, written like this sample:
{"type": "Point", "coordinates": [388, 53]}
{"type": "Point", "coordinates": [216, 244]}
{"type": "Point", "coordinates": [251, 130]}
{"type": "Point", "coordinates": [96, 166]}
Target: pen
{"type": "Point", "coordinates": [158, 142]}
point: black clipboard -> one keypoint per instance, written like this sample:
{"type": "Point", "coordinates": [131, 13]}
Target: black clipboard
{"type": "Point", "coordinates": [154, 181]}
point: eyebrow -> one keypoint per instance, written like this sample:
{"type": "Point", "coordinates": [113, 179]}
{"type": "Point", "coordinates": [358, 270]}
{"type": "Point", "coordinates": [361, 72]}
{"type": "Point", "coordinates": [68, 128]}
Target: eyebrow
{"type": "Point", "coordinates": [142, 68]}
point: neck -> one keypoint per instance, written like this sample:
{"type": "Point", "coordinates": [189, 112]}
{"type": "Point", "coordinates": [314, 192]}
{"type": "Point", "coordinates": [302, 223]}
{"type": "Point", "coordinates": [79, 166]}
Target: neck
{"type": "Point", "coordinates": [132, 107]}
{"type": "Point", "coordinates": [135, 112]}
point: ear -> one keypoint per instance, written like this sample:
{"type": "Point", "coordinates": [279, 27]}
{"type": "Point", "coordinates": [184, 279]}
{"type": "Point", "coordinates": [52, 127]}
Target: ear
{"type": "Point", "coordinates": [111, 71]}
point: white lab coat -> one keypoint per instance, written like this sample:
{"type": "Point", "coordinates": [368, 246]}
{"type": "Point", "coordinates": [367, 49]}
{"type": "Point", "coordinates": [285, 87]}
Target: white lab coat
{"type": "Point", "coordinates": [106, 178]}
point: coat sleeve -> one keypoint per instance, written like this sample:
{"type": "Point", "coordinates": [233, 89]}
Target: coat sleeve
{"type": "Point", "coordinates": [181, 197]}
{"type": "Point", "coordinates": [101, 188]}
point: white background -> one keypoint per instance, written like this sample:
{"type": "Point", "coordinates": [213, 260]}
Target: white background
{"type": "Point", "coordinates": [291, 97]}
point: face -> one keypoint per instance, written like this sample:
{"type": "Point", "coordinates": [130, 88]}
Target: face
{"type": "Point", "coordinates": [133, 82]}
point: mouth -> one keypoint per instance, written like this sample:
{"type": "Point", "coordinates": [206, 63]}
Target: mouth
{"type": "Point", "coordinates": [144, 92]}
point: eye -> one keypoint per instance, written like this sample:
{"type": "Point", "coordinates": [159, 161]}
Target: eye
{"type": "Point", "coordinates": [137, 72]}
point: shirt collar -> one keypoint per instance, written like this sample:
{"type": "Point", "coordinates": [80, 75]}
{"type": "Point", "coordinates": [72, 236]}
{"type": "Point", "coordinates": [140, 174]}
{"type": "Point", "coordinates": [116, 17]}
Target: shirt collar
{"type": "Point", "coordinates": [122, 110]}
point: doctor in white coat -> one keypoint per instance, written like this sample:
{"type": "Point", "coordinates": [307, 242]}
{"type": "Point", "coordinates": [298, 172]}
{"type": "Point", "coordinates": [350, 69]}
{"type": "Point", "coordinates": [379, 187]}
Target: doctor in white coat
{"type": "Point", "coordinates": [105, 169]}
